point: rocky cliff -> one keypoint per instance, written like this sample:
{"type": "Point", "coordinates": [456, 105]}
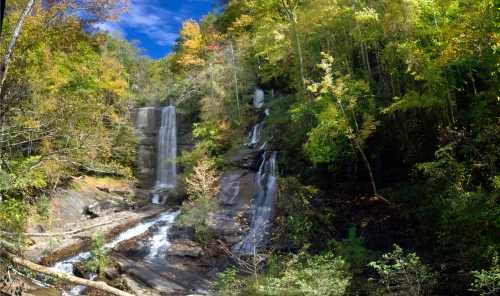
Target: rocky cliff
{"type": "Point", "coordinates": [147, 121]}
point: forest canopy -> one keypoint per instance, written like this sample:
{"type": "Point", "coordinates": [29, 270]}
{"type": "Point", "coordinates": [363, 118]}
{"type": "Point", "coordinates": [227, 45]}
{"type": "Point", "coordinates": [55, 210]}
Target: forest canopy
{"type": "Point", "coordinates": [385, 113]}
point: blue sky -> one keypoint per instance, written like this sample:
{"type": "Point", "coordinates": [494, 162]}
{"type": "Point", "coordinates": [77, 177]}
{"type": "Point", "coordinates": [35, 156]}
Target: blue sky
{"type": "Point", "coordinates": [154, 24]}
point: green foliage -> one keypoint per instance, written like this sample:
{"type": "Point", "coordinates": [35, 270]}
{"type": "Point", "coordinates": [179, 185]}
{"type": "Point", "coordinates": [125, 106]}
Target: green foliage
{"type": "Point", "coordinates": [295, 199]}
{"type": "Point", "coordinates": [99, 257]}
{"type": "Point", "coordinates": [302, 274]}
{"type": "Point", "coordinates": [229, 283]}
{"type": "Point", "coordinates": [487, 281]}
{"type": "Point", "coordinates": [346, 116]}
{"type": "Point", "coordinates": [352, 249]}
{"type": "Point", "coordinates": [202, 188]}
{"type": "Point", "coordinates": [12, 215]}
{"type": "Point", "coordinates": [65, 103]}
{"type": "Point", "coordinates": [404, 273]}
{"type": "Point", "coordinates": [42, 207]}
{"type": "Point", "coordinates": [308, 275]}
{"type": "Point", "coordinates": [460, 207]}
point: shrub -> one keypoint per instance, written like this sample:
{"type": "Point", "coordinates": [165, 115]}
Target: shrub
{"type": "Point", "coordinates": [13, 219]}
{"type": "Point", "coordinates": [228, 283]}
{"type": "Point", "coordinates": [99, 258]}
{"type": "Point", "coordinates": [303, 274]}
{"type": "Point", "coordinates": [487, 281]}
{"type": "Point", "coordinates": [309, 275]}
{"type": "Point", "coordinates": [352, 249]}
{"type": "Point", "coordinates": [295, 200]}
{"type": "Point", "coordinates": [202, 188]}
{"type": "Point", "coordinates": [404, 273]}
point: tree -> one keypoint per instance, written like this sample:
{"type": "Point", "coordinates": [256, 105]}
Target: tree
{"type": "Point", "coordinates": [404, 273]}
{"type": "Point", "coordinates": [348, 114]}
{"type": "Point", "coordinates": [190, 46]}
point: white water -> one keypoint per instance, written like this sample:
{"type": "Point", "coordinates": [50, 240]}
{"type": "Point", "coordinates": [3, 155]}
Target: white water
{"type": "Point", "coordinates": [67, 266]}
{"type": "Point", "coordinates": [255, 135]}
{"type": "Point", "coordinates": [166, 168]}
{"type": "Point", "coordinates": [159, 241]}
{"type": "Point", "coordinates": [258, 98]}
{"type": "Point", "coordinates": [263, 206]}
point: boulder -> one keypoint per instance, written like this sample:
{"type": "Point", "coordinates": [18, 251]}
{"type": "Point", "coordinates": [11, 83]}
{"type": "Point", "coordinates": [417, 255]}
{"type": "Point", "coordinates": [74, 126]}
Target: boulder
{"type": "Point", "coordinates": [178, 232]}
{"type": "Point", "coordinates": [97, 209]}
{"type": "Point", "coordinates": [185, 248]}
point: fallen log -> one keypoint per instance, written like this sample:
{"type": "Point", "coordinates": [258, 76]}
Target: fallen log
{"type": "Point", "coordinates": [102, 286]}
{"type": "Point", "coordinates": [66, 233]}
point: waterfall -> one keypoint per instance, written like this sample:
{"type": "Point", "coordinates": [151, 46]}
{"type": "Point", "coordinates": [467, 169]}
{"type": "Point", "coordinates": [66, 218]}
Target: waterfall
{"type": "Point", "coordinates": [166, 168]}
{"type": "Point", "coordinates": [263, 206]}
{"type": "Point", "coordinates": [267, 111]}
{"type": "Point", "coordinates": [258, 98]}
{"type": "Point", "coordinates": [254, 136]}
{"type": "Point", "coordinates": [166, 219]}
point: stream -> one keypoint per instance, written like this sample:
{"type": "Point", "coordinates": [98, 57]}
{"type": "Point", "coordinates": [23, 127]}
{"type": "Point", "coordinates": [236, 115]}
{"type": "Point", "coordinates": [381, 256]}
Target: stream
{"type": "Point", "coordinates": [159, 243]}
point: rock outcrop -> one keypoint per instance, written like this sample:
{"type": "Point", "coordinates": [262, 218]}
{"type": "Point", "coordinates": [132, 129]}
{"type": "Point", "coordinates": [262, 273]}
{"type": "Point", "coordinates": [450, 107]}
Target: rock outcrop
{"type": "Point", "coordinates": [147, 122]}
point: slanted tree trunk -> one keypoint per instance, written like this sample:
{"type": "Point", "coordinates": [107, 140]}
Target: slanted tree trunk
{"type": "Point", "coordinates": [7, 250]}
{"type": "Point", "coordinates": [102, 286]}
{"type": "Point", "coordinates": [301, 57]}
{"type": "Point", "coordinates": [235, 73]}
{"type": "Point", "coordinates": [4, 68]}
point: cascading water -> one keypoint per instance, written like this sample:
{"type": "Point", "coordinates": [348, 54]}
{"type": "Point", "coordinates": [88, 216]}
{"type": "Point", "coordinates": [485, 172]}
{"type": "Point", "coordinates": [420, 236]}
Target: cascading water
{"type": "Point", "coordinates": [258, 98]}
{"type": "Point", "coordinates": [159, 240]}
{"type": "Point", "coordinates": [263, 206]}
{"type": "Point", "coordinates": [166, 219]}
{"type": "Point", "coordinates": [255, 135]}
{"type": "Point", "coordinates": [166, 168]}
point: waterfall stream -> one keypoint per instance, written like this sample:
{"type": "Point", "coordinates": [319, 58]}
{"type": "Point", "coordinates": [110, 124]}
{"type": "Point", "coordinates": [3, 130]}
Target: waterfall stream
{"type": "Point", "coordinates": [159, 242]}
{"type": "Point", "coordinates": [166, 168]}
{"type": "Point", "coordinates": [263, 206]}
{"type": "Point", "coordinates": [258, 98]}
{"type": "Point", "coordinates": [255, 135]}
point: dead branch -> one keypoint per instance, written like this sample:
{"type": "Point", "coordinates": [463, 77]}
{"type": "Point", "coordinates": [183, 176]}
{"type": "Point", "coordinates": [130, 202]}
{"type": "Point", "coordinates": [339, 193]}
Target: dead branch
{"type": "Point", "coordinates": [102, 286]}
{"type": "Point", "coordinates": [242, 264]}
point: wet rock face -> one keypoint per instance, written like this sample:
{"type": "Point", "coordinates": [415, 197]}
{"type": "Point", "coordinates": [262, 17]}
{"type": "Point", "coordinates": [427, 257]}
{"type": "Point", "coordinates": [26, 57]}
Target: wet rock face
{"type": "Point", "coordinates": [136, 247]}
{"type": "Point", "coordinates": [244, 158]}
{"type": "Point", "coordinates": [147, 122]}
{"type": "Point", "coordinates": [229, 222]}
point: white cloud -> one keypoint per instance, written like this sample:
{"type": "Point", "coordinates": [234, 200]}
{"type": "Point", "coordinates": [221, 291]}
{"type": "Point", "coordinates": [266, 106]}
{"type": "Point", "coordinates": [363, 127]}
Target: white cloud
{"type": "Point", "coordinates": [112, 28]}
{"type": "Point", "coordinates": [150, 19]}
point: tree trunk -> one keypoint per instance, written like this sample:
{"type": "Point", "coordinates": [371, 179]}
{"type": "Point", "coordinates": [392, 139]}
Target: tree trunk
{"type": "Point", "coordinates": [102, 286]}
{"type": "Point", "coordinates": [4, 67]}
{"type": "Point", "coordinates": [10, 48]}
{"type": "Point", "coordinates": [370, 173]}
{"type": "Point", "coordinates": [236, 88]}
{"type": "Point", "coordinates": [299, 53]}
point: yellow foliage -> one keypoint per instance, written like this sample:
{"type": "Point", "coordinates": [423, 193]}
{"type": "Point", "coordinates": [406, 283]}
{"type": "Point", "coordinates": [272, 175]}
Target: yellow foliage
{"type": "Point", "coordinates": [192, 43]}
